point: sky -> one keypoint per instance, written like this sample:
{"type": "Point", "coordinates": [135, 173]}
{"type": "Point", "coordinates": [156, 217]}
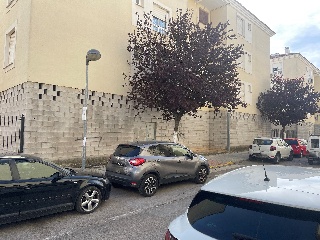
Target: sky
{"type": "Point", "coordinates": [296, 24]}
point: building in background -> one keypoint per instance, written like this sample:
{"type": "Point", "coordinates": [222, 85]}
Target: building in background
{"type": "Point", "coordinates": [294, 65]}
{"type": "Point", "coordinates": [43, 76]}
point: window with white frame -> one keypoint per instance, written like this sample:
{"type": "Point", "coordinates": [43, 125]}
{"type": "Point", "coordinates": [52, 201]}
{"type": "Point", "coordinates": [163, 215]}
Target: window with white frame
{"type": "Point", "coordinates": [248, 62]}
{"type": "Point", "coordinates": [203, 16]}
{"type": "Point", "coordinates": [241, 61]}
{"type": "Point", "coordinates": [10, 46]}
{"type": "Point", "coordinates": [245, 93]}
{"type": "Point", "coordinates": [240, 25]}
{"type": "Point", "coordinates": [160, 18]}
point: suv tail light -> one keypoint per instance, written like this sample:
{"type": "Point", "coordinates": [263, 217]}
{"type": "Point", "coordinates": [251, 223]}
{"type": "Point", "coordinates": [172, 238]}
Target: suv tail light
{"type": "Point", "coordinates": [250, 147]}
{"type": "Point", "coordinates": [137, 161]}
{"type": "Point", "coordinates": [273, 148]}
{"type": "Point", "coordinates": [168, 236]}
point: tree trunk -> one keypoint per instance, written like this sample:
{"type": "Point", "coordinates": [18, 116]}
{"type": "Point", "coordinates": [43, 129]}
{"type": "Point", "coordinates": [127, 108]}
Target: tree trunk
{"type": "Point", "coordinates": [282, 133]}
{"type": "Point", "coordinates": [176, 128]}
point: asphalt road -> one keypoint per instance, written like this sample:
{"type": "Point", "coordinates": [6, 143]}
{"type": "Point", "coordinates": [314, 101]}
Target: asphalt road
{"type": "Point", "coordinates": [126, 215]}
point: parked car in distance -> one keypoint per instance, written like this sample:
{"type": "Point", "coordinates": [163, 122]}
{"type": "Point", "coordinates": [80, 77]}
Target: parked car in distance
{"type": "Point", "coordinates": [313, 149]}
{"type": "Point", "coordinates": [31, 187]}
{"type": "Point", "coordinates": [278, 203]}
{"type": "Point", "coordinates": [273, 149]}
{"type": "Point", "coordinates": [298, 146]}
{"type": "Point", "coordinates": [146, 165]}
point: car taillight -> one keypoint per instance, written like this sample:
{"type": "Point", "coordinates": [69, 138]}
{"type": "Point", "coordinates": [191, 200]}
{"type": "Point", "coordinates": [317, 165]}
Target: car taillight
{"type": "Point", "coordinates": [273, 148]}
{"type": "Point", "coordinates": [250, 147]}
{"type": "Point", "coordinates": [137, 161]}
{"type": "Point", "coordinates": [168, 236]}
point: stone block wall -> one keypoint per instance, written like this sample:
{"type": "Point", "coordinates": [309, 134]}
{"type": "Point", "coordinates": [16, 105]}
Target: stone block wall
{"type": "Point", "coordinates": [54, 126]}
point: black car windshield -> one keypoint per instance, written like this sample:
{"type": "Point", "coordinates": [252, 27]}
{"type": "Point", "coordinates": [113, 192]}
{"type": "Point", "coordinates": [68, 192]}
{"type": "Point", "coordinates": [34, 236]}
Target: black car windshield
{"type": "Point", "coordinates": [225, 217]}
{"type": "Point", "coordinates": [127, 151]}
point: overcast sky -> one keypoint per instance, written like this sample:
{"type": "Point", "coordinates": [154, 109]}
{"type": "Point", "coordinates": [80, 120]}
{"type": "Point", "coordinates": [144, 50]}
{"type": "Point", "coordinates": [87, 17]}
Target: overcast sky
{"type": "Point", "coordinates": [296, 24]}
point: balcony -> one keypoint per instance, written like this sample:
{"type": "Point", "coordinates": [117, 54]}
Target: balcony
{"type": "Point", "coordinates": [212, 4]}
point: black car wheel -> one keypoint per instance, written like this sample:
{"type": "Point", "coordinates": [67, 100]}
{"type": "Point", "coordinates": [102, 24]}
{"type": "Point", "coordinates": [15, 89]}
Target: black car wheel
{"type": "Point", "coordinates": [310, 162]}
{"type": "Point", "coordinates": [149, 185]}
{"type": "Point", "coordinates": [202, 175]}
{"type": "Point", "coordinates": [89, 199]}
{"type": "Point", "coordinates": [251, 157]}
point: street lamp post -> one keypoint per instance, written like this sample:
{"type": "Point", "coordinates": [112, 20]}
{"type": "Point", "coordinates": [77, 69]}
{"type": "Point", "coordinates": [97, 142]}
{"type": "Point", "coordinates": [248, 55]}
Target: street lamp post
{"type": "Point", "coordinates": [92, 55]}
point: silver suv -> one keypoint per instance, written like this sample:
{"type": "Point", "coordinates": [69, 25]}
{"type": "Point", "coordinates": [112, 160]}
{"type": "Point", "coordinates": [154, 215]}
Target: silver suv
{"type": "Point", "coordinates": [147, 165]}
{"type": "Point", "coordinates": [274, 149]}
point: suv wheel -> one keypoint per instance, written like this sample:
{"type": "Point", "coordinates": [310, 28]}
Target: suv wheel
{"type": "Point", "coordinates": [290, 158]}
{"type": "Point", "coordinates": [251, 157]}
{"type": "Point", "coordinates": [277, 158]}
{"type": "Point", "coordinates": [89, 199]}
{"type": "Point", "coordinates": [310, 162]}
{"type": "Point", "coordinates": [201, 175]}
{"type": "Point", "coordinates": [149, 185]}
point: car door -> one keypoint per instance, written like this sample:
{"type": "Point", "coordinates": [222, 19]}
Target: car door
{"type": "Point", "coordinates": [10, 194]}
{"type": "Point", "coordinates": [43, 193]}
{"type": "Point", "coordinates": [186, 166]}
{"type": "Point", "coordinates": [165, 162]}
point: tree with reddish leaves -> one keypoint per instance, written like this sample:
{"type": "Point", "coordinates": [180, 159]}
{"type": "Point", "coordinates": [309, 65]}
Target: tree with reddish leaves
{"type": "Point", "coordinates": [183, 68]}
{"type": "Point", "coordinates": [288, 102]}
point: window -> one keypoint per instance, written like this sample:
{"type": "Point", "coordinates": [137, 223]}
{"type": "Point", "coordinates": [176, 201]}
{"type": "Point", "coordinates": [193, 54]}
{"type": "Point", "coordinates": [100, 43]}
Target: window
{"type": "Point", "coordinates": [10, 46]}
{"type": "Point", "coordinates": [29, 170]}
{"type": "Point", "coordinates": [160, 18]}
{"type": "Point", "coordinates": [227, 217]}
{"type": "Point", "coordinates": [249, 27]}
{"type": "Point", "coordinates": [203, 16]}
{"type": "Point", "coordinates": [240, 26]}
{"type": "Point", "coordinates": [5, 173]}
{"type": "Point", "coordinates": [159, 25]}
{"type": "Point", "coordinates": [127, 151]}
{"type": "Point", "coordinates": [249, 58]}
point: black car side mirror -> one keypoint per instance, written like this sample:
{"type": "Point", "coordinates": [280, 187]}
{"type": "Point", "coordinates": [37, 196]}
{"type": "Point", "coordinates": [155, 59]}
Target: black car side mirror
{"type": "Point", "coordinates": [56, 176]}
{"type": "Point", "coordinates": [189, 155]}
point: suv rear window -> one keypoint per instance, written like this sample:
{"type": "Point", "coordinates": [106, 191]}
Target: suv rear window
{"type": "Point", "coordinates": [314, 143]}
{"type": "Point", "coordinates": [227, 217]}
{"type": "Point", "coordinates": [127, 151]}
{"type": "Point", "coordinates": [262, 141]}
{"type": "Point", "coordinates": [291, 142]}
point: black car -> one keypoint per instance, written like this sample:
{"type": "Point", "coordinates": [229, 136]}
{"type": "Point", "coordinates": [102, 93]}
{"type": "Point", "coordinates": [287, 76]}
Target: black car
{"type": "Point", "coordinates": [31, 187]}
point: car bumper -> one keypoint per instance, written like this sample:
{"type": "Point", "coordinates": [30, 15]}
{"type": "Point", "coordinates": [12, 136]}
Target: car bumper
{"type": "Point", "coordinates": [262, 156]}
{"type": "Point", "coordinates": [124, 180]}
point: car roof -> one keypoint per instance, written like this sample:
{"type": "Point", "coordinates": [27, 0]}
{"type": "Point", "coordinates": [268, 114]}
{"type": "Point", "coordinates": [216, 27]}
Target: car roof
{"type": "Point", "coordinates": [289, 185]}
{"type": "Point", "coordinates": [18, 155]}
{"type": "Point", "coordinates": [144, 143]}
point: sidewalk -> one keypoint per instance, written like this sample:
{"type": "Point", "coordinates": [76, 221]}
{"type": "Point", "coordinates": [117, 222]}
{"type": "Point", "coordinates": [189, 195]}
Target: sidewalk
{"type": "Point", "coordinates": [224, 159]}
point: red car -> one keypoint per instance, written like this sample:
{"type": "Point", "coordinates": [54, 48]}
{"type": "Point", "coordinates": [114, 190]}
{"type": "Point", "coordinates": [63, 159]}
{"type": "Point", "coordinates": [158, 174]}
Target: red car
{"type": "Point", "coordinates": [298, 146]}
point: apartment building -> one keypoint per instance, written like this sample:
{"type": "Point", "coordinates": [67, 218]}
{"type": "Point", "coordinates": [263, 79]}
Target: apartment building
{"type": "Point", "coordinates": [44, 75]}
{"type": "Point", "coordinates": [294, 65]}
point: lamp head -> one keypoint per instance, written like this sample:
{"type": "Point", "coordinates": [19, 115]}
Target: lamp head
{"type": "Point", "coordinates": [93, 55]}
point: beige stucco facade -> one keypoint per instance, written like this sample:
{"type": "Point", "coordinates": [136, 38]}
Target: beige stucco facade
{"type": "Point", "coordinates": [45, 78]}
